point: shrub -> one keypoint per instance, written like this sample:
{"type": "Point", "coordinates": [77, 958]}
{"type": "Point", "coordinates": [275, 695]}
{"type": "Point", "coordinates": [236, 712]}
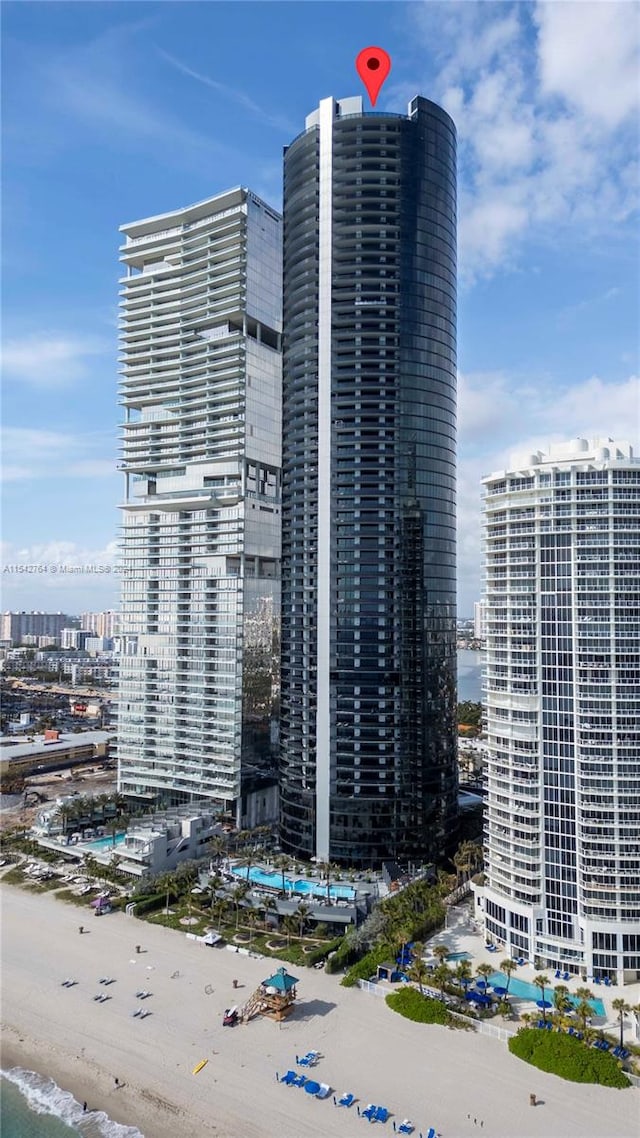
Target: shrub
{"type": "Point", "coordinates": [422, 1009]}
{"type": "Point", "coordinates": [149, 904]}
{"type": "Point", "coordinates": [567, 1057]}
{"type": "Point", "coordinates": [365, 967]}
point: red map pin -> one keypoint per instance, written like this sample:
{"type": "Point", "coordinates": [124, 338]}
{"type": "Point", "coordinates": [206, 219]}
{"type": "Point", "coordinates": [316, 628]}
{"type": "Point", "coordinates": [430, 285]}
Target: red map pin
{"type": "Point", "coordinates": [373, 65]}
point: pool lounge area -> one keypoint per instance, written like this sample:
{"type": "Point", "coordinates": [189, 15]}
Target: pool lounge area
{"type": "Point", "coordinates": [302, 887]}
{"type": "Point", "coordinates": [523, 990]}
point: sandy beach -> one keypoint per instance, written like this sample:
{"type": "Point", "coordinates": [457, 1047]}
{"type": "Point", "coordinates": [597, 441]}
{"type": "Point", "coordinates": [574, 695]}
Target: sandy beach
{"type": "Point", "coordinates": [433, 1076]}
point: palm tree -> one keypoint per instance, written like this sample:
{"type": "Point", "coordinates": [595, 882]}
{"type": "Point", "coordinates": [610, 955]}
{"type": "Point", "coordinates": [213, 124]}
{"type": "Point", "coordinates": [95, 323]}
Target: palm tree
{"type": "Point", "coordinates": [541, 981]}
{"type": "Point", "coordinates": [485, 971]}
{"type": "Point", "coordinates": [217, 847]}
{"type": "Point", "coordinates": [290, 926]}
{"type": "Point", "coordinates": [169, 884]}
{"type": "Point", "coordinates": [238, 895]}
{"type": "Point", "coordinates": [419, 973]}
{"type": "Point", "coordinates": [251, 920]}
{"type": "Point", "coordinates": [91, 865]}
{"type": "Point", "coordinates": [584, 1009]}
{"type": "Point", "coordinates": [561, 1002]}
{"type": "Point", "coordinates": [621, 1007]}
{"type": "Point", "coordinates": [463, 973]}
{"type": "Point", "coordinates": [282, 862]}
{"type": "Point", "coordinates": [301, 915]}
{"type": "Point", "coordinates": [269, 905]}
{"type": "Point", "coordinates": [220, 910]}
{"type": "Point", "coordinates": [441, 952]}
{"type": "Point", "coordinates": [508, 966]}
{"type": "Point", "coordinates": [441, 976]}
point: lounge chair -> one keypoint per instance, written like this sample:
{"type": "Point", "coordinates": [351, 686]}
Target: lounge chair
{"type": "Point", "coordinates": [380, 1114]}
{"type": "Point", "coordinates": [557, 973]}
{"type": "Point", "coordinates": [406, 1127]}
{"type": "Point", "coordinates": [299, 1081]}
{"type": "Point", "coordinates": [288, 1078]}
{"type": "Point", "coordinates": [431, 1133]}
{"type": "Point", "coordinates": [596, 979]}
{"type": "Point", "coordinates": [566, 975]}
{"type": "Point", "coordinates": [368, 1111]}
{"type": "Point", "coordinates": [347, 1099]}
{"type": "Point", "coordinates": [607, 981]}
{"type": "Point", "coordinates": [520, 960]}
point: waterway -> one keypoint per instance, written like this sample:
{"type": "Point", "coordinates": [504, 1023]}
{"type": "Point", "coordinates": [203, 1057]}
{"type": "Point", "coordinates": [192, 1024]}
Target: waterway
{"type": "Point", "coordinates": [470, 666]}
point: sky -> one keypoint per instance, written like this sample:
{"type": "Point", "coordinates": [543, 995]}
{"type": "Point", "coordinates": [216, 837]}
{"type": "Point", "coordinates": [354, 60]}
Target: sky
{"type": "Point", "coordinates": [117, 111]}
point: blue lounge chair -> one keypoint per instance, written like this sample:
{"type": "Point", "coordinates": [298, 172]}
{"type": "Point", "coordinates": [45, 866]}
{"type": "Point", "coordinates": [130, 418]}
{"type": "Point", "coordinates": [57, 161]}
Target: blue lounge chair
{"type": "Point", "coordinates": [368, 1111]}
{"type": "Point", "coordinates": [520, 960]}
{"type": "Point", "coordinates": [566, 975]}
{"type": "Point", "coordinates": [557, 973]}
{"type": "Point", "coordinates": [624, 1054]}
{"type": "Point", "coordinates": [347, 1099]}
{"type": "Point", "coordinates": [406, 1127]}
{"type": "Point", "coordinates": [596, 979]}
{"type": "Point", "coordinates": [381, 1114]}
{"type": "Point", "coordinates": [431, 1132]}
{"type": "Point", "coordinates": [289, 1078]}
{"type": "Point", "coordinates": [299, 1081]}
{"type": "Point", "coordinates": [607, 981]}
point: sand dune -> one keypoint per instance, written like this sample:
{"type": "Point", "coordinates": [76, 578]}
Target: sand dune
{"type": "Point", "coordinates": [433, 1076]}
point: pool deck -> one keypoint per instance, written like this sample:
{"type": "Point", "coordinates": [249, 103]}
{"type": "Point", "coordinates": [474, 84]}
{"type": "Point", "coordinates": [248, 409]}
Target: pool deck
{"type": "Point", "coordinates": [463, 934]}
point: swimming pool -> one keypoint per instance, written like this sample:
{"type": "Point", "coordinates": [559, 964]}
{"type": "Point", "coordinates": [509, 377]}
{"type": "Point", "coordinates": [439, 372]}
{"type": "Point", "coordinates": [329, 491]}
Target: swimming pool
{"type": "Point", "coordinates": [106, 843]}
{"type": "Point", "coordinates": [459, 956]}
{"type": "Point", "coordinates": [304, 888]}
{"type": "Point", "coordinates": [523, 990]}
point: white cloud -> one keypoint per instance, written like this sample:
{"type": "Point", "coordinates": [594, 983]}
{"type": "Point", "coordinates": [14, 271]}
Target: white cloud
{"type": "Point", "coordinates": [588, 55]}
{"type": "Point", "coordinates": [97, 586]}
{"type": "Point", "coordinates": [279, 122]}
{"type": "Point", "coordinates": [50, 360]}
{"type": "Point", "coordinates": [31, 453]}
{"type": "Point", "coordinates": [545, 115]}
{"type": "Point", "coordinates": [501, 416]}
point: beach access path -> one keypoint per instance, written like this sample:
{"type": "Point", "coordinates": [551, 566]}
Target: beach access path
{"type": "Point", "coordinates": [431, 1075]}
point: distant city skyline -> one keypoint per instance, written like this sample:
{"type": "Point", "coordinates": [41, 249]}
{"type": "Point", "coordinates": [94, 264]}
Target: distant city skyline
{"type": "Point", "coordinates": [116, 111]}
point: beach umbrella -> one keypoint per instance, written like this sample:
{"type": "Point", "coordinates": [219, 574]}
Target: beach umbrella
{"type": "Point", "coordinates": [482, 985]}
{"type": "Point", "coordinates": [544, 1004]}
{"type": "Point", "coordinates": [499, 990]}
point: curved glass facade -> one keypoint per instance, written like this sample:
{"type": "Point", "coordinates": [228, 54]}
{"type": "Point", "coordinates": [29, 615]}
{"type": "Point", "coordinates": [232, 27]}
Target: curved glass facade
{"type": "Point", "coordinates": [368, 725]}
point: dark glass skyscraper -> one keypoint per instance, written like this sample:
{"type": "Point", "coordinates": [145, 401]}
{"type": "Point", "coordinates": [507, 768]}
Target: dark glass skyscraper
{"type": "Point", "coordinates": [368, 724]}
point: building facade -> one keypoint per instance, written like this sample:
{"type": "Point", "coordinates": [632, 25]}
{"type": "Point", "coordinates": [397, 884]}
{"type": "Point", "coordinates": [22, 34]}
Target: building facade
{"type": "Point", "coordinates": [15, 626]}
{"type": "Point", "coordinates": [368, 734]}
{"type": "Point", "coordinates": [201, 387]}
{"type": "Point", "coordinates": [562, 815]}
{"type": "Point", "coordinates": [480, 620]}
{"type": "Point", "coordinates": [105, 623]}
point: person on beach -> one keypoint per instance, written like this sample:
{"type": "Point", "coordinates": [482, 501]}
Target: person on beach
{"type": "Point", "coordinates": [235, 983]}
{"type": "Point", "coordinates": [81, 929]}
{"type": "Point", "coordinates": [84, 1107]}
{"type": "Point", "coordinates": [116, 1080]}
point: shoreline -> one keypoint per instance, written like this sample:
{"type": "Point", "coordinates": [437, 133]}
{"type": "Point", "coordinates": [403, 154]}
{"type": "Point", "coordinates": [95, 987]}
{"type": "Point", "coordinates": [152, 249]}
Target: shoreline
{"type": "Point", "coordinates": [437, 1078]}
{"type": "Point", "coordinates": [87, 1083]}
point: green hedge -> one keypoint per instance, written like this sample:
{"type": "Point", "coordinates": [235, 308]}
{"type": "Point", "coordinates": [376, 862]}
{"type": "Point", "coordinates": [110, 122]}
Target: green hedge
{"type": "Point", "coordinates": [365, 967]}
{"type": "Point", "coordinates": [408, 1002]}
{"type": "Point", "coordinates": [567, 1057]}
{"type": "Point", "coordinates": [149, 904]}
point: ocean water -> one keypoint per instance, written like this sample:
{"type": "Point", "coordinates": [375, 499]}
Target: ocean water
{"type": "Point", "coordinates": [470, 666]}
{"type": "Point", "coordinates": [33, 1106]}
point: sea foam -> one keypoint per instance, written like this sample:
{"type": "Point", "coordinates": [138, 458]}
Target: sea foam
{"type": "Point", "coordinates": [46, 1097]}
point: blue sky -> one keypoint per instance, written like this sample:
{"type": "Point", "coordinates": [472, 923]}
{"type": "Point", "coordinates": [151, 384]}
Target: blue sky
{"type": "Point", "coordinates": [114, 111]}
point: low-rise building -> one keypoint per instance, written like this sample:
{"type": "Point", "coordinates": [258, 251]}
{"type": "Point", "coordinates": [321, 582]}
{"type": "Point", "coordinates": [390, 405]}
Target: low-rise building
{"type": "Point", "coordinates": [19, 758]}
